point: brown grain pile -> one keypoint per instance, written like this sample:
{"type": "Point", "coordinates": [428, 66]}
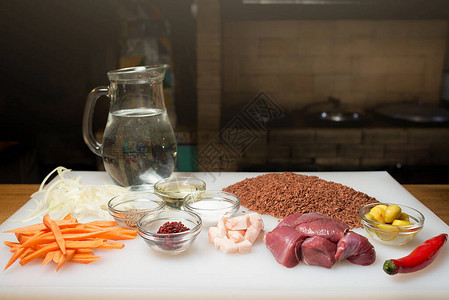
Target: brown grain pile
{"type": "Point", "coordinates": [283, 194]}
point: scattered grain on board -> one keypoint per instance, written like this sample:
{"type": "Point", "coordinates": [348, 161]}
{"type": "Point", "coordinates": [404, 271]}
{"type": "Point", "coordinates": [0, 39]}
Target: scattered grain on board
{"type": "Point", "coordinates": [283, 194]}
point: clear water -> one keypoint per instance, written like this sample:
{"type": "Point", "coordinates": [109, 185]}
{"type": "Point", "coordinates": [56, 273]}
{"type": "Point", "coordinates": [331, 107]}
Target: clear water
{"type": "Point", "coordinates": [139, 146]}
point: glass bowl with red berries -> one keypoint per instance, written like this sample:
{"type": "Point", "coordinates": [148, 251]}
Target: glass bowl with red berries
{"type": "Point", "coordinates": [169, 231]}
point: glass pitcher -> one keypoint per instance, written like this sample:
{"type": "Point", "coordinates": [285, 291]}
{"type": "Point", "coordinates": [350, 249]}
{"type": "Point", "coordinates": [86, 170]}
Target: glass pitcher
{"type": "Point", "coordinates": [139, 145]}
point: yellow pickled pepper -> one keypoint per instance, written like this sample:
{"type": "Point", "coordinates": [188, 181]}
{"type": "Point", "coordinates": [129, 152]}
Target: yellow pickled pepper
{"type": "Point", "coordinates": [392, 213]}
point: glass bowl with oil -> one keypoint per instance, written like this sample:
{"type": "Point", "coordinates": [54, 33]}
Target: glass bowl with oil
{"type": "Point", "coordinates": [174, 189]}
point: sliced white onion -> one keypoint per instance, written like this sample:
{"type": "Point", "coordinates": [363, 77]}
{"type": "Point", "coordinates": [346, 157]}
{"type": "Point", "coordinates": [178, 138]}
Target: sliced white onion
{"type": "Point", "coordinates": [68, 194]}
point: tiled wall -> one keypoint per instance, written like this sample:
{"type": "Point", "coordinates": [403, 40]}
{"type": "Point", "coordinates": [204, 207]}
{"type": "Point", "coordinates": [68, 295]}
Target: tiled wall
{"type": "Point", "coordinates": [300, 62]}
{"type": "Point", "coordinates": [353, 148]}
{"type": "Point", "coordinates": [362, 62]}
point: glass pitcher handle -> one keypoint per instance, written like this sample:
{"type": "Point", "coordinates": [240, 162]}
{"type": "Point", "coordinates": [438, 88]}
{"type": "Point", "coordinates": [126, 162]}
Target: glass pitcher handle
{"type": "Point", "coordinates": [88, 135]}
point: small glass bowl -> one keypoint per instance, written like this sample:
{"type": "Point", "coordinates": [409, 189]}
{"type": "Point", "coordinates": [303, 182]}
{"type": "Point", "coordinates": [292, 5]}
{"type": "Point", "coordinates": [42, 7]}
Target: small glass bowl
{"type": "Point", "coordinates": [174, 189]}
{"type": "Point", "coordinates": [128, 208]}
{"type": "Point", "coordinates": [211, 206]}
{"type": "Point", "coordinates": [169, 243]}
{"type": "Point", "coordinates": [392, 235]}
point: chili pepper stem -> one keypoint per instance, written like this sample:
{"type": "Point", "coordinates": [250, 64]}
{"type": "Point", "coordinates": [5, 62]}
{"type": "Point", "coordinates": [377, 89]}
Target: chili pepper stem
{"type": "Point", "coordinates": [390, 267]}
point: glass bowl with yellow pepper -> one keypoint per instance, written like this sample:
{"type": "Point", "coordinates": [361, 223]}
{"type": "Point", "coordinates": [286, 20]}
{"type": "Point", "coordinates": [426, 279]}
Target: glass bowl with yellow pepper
{"type": "Point", "coordinates": [391, 224]}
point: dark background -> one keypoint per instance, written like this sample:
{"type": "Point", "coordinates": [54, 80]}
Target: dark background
{"type": "Point", "coordinates": [52, 54]}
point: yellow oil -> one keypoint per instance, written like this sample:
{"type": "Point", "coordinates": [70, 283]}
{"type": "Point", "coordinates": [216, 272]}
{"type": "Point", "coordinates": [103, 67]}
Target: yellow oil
{"type": "Point", "coordinates": [174, 193]}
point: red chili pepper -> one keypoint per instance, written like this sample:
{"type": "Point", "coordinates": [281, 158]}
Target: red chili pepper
{"type": "Point", "coordinates": [420, 258]}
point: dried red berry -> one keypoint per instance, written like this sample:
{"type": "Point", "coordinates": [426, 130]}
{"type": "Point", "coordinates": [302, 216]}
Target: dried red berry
{"type": "Point", "coordinates": [172, 227]}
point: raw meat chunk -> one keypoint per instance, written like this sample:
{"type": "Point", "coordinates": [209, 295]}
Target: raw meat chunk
{"type": "Point", "coordinates": [225, 245]}
{"type": "Point", "coordinates": [318, 251]}
{"type": "Point", "coordinates": [244, 246]}
{"type": "Point", "coordinates": [355, 248]}
{"type": "Point", "coordinates": [236, 235]}
{"type": "Point", "coordinates": [217, 242]}
{"type": "Point", "coordinates": [284, 242]}
{"type": "Point", "coordinates": [256, 220]}
{"type": "Point", "coordinates": [212, 234]}
{"type": "Point", "coordinates": [291, 220]}
{"type": "Point", "coordinates": [221, 228]}
{"type": "Point", "coordinates": [314, 224]}
{"type": "Point", "coordinates": [237, 223]}
{"type": "Point", "coordinates": [252, 233]}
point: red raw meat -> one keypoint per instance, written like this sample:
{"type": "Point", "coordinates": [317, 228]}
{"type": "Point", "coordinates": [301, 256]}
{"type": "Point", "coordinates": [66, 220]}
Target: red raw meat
{"type": "Point", "coordinates": [318, 240]}
{"type": "Point", "coordinates": [318, 251]}
{"type": "Point", "coordinates": [355, 248]}
{"type": "Point", "coordinates": [284, 243]}
{"type": "Point", "coordinates": [315, 224]}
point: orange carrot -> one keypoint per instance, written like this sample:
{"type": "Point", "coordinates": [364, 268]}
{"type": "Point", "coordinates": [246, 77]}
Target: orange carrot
{"type": "Point", "coordinates": [115, 233]}
{"type": "Point", "coordinates": [56, 232]}
{"type": "Point", "coordinates": [70, 218]}
{"type": "Point", "coordinates": [65, 240]}
{"type": "Point", "coordinates": [85, 251]}
{"type": "Point", "coordinates": [57, 256]}
{"type": "Point", "coordinates": [48, 257]}
{"type": "Point", "coordinates": [34, 239]}
{"type": "Point", "coordinates": [111, 245]}
{"type": "Point", "coordinates": [37, 253]}
{"type": "Point", "coordinates": [14, 257]}
{"type": "Point", "coordinates": [11, 244]}
{"type": "Point", "coordinates": [49, 237]}
{"type": "Point", "coordinates": [84, 244]}
{"type": "Point", "coordinates": [83, 260]}
{"type": "Point", "coordinates": [64, 258]}
{"type": "Point", "coordinates": [103, 223]}
{"type": "Point", "coordinates": [41, 226]}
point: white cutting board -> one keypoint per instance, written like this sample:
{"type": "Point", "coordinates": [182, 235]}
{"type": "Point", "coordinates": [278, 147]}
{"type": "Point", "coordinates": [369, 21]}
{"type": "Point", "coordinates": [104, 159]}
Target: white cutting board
{"type": "Point", "coordinates": [136, 272]}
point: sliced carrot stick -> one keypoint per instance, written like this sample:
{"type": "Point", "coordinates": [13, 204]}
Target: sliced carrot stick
{"type": "Point", "coordinates": [51, 224]}
{"type": "Point", "coordinates": [84, 244]}
{"type": "Point", "coordinates": [39, 252]}
{"type": "Point", "coordinates": [70, 218]}
{"type": "Point", "coordinates": [27, 252]}
{"type": "Point", "coordinates": [116, 237]}
{"type": "Point", "coordinates": [11, 244]}
{"type": "Point", "coordinates": [48, 257]}
{"type": "Point", "coordinates": [49, 237]}
{"type": "Point", "coordinates": [85, 251]}
{"type": "Point", "coordinates": [111, 245]}
{"type": "Point", "coordinates": [115, 233]}
{"type": "Point", "coordinates": [65, 240]}
{"type": "Point", "coordinates": [103, 223]}
{"type": "Point", "coordinates": [22, 238]}
{"type": "Point", "coordinates": [57, 256]}
{"type": "Point", "coordinates": [41, 226]}
{"type": "Point", "coordinates": [84, 260]}
{"type": "Point", "coordinates": [33, 239]}
{"type": "Point", "coordinates": [64, 258]}
{"type": "Point", "coordinates": [75, 230]}
{"type": "Point", "coordinates": [14, 257]}
{"type": "Point", "coordinates": [79, 253]}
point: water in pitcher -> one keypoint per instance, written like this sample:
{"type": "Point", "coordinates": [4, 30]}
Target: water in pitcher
{"type": "Point", "coordinates": [139, 146]}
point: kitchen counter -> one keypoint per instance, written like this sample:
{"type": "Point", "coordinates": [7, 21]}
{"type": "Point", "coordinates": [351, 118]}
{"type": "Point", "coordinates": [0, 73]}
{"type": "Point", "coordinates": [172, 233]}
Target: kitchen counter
{"type": "Point", "coordinates": [435, 197]}
{"type": "Point", "coordinates": [221, 276]}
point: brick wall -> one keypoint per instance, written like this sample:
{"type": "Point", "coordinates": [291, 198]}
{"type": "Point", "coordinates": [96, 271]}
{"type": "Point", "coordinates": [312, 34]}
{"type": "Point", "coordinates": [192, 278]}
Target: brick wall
{"type": "Point", "coordinates": [352, 148]}
{"type": "Point", "coordinates": [363, 62]}
{"type": "Point", "coordinates": [299, 62]}
{"type": "Point", "coordinates": [208, 80]}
